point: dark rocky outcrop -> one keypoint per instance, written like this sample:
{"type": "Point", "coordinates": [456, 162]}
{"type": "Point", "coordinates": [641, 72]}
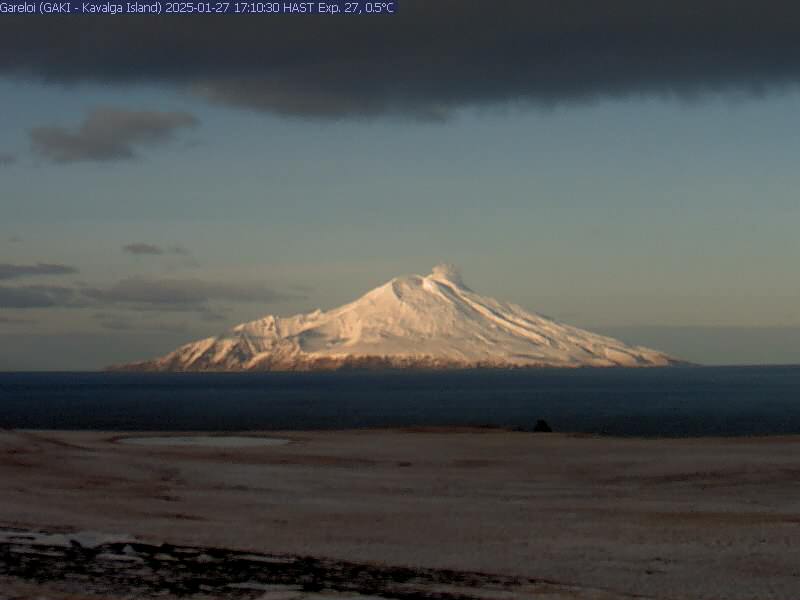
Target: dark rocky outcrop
{"type": "Point", "coordinates": [542, 427]}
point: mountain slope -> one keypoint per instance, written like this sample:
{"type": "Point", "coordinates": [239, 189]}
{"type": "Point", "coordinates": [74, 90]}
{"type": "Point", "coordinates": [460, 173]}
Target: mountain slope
{"type": "Point", "coordinates": [410, 322]}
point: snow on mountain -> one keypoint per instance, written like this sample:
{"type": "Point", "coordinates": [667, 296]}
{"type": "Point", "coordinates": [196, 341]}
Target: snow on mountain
{"type": "Point", "coordinates": [410, 322]}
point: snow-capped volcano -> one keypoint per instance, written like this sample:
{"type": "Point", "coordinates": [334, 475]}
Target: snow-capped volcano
{"type": "Point", "coordinates": [434, 321]}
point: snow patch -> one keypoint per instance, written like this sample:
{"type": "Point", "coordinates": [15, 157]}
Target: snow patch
{"type": "Point", "coordinates": [209, 441]}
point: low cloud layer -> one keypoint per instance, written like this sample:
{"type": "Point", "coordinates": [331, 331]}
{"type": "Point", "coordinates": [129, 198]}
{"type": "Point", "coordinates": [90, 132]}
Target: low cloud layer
{"type": "Point", "coordinates": [117, 322]}
{"type": "Point", "coordinates": [9, 271]}
{"type": "Point", "coordinates": [14, 321]}
{"type": "Point", "coordinates": [180, 293]}
{"type": "Point", "coordinates": [7, 159]}
{"type": "Point", "coordinates": [40, 296]}
{"type": "Point", "coordinates": [433, 57]}
{"type": "Point", "coordinates": [143, 294]}
{"type": "Point", "coordinates": [108, 134]}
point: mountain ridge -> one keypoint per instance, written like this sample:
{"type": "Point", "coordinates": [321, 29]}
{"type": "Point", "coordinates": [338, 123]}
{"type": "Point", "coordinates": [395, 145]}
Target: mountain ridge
{"type": "Point", "coordinates": [411, 322]}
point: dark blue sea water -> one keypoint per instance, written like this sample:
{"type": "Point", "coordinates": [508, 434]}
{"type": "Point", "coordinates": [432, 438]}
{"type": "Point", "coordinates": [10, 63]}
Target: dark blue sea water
{"type": "Point", "coordinates": [647, 402]}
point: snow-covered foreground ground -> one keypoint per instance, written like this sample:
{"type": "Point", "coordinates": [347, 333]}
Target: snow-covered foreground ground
{"type": "Point", "coordinates": [586, 517]}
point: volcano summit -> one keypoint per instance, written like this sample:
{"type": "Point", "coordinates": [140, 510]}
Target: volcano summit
{"type": "Point", "coordinates": [431, 322]}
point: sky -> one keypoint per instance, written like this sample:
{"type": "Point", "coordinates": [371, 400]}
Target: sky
{"type": "Point", "coordinates": [625, 167]}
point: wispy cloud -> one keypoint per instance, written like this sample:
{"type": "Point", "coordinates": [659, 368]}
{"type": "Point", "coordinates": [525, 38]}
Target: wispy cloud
{"type": "Point", "coordinates": [109, 134]}
{"type": "Point", "coordinates": [145, 249]}
{"type": "Point", "coordinates": [7, 159]}
{"type": "Point", "coordinates": [140, 248]}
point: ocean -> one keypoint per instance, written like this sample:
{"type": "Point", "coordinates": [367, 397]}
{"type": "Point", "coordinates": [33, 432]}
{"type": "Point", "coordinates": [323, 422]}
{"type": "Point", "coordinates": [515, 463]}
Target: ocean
{"type": "Point", "coordinates": [672, 402]}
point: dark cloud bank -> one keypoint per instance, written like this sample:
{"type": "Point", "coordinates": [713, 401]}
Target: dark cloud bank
{"type": "Point", "coordinates": [433, 57]}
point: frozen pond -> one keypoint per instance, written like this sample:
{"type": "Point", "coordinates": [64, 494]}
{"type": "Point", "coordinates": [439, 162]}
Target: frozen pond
{"type": "Point", "coordinates": [215, 441]}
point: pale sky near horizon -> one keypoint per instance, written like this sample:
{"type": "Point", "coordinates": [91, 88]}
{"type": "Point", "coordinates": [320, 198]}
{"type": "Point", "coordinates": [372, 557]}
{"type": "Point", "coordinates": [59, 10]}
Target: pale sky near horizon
{"type": "Point", "coordinates": [668, 221]}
